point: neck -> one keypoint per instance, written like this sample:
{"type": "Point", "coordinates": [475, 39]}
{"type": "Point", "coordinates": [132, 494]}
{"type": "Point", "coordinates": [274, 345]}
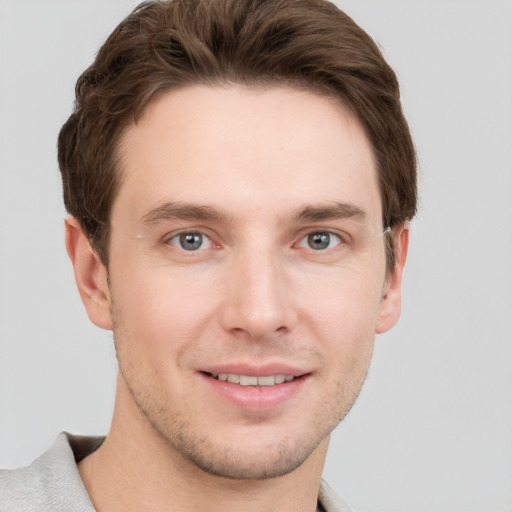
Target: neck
{"type": "Point", "coordinates": [136, 469]}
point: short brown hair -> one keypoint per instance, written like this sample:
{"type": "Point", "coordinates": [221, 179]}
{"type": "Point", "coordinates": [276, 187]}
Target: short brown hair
{"type": "Point", "coordinates": [164, 45]}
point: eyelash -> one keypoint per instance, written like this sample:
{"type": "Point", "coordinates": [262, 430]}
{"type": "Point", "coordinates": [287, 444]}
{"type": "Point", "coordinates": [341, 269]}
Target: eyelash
{"type": "Point", "coordinates": [320, 234]}
{"type": "Point", "coordinates": [303, 242]}
{"type": "Point", "coordinates": [179, 238]}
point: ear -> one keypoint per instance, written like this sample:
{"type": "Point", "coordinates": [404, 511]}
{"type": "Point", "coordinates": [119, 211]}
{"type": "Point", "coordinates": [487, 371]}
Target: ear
{"type": "Point", "coordinates": [391, 303]}
{"type": "Point", "coordinates": [90, 275]}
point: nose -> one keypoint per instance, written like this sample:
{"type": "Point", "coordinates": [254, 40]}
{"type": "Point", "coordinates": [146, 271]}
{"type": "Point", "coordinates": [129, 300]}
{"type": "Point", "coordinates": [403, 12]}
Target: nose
{"type": "Point", "coordinates": [258, 300]}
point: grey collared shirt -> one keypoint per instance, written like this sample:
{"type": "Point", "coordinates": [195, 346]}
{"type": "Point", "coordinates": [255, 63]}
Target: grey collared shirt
{"type": "Point", "coordinates": [52, 482]}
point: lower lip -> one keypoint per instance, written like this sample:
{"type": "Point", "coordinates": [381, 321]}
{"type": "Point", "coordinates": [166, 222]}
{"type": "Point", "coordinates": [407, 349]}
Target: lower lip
{"type": "Point", "coordinates": [257, 398]}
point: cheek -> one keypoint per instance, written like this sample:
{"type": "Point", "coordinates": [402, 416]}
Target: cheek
{"type": "Point", "coordinates": [163, 310]}
{"type": "Point", "coordinates": [159, 308]}
{"type": "Point", "coordinates": [344, 313]}
{"type": "Point", "coordinates": [343, 300]}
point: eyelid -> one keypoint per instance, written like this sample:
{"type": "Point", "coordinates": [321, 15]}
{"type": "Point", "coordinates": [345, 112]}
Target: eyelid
{"type": "Point", "coordinates": [166, 239]}
{"type": "Point", "coordinates": [303, 243]}
{"type": "Point", "coordinates": [301, 236]}
{"type": "Point", "coordinates": [342, 235]}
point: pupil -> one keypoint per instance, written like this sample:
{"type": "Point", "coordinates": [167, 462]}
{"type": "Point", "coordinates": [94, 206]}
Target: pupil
{"type": "Point", "coordinates": [319, 240]}
{"type": "Point", "coordinates": [191, 241]}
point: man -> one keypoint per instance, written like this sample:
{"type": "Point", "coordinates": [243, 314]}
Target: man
{"type": "Point", "coordinates": [239, 178]}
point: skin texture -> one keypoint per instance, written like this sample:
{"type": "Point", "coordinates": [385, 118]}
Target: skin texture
{"type": "Point", "coordinates": [254, 173]}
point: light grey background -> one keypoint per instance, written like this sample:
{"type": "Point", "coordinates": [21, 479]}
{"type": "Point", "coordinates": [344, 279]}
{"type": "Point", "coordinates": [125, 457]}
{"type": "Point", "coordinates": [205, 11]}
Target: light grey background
{"type": "Point", "coordinates": [432, 430]}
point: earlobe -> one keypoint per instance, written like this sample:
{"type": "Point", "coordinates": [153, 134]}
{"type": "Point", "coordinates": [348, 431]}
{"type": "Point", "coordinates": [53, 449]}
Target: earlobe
{"type": "Point", "coordinates": [391, 303]}
{"type": "Point", "coordinates": [90, 275]}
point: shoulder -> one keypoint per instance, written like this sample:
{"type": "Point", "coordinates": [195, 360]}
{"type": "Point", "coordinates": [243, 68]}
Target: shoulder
{"type": "Point", "coordinates": [330, 501]}
{"type": "Point", "coordinates": [51, 483]}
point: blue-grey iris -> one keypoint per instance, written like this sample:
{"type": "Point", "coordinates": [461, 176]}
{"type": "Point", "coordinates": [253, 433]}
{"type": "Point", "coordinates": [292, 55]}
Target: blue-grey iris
{"type": "Point", "coordinates": [319, 240]}
{"type": "Point", "coordinates": [191, 241]}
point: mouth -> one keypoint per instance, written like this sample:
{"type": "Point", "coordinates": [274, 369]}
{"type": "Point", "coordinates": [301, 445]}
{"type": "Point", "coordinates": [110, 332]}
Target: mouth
{"type": "Point", "coordinates": [256, 389]}
{"type": "Point", "coordinates": [253, 380]}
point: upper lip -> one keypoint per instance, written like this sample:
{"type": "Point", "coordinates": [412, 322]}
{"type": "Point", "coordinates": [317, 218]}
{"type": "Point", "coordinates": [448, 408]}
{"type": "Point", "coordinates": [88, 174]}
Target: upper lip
{"type": "Point", "coordinates": [259, 370]}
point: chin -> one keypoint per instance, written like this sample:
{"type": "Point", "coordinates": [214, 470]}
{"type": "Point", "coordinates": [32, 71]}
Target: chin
{"type": "Point", "coordinates": [245, 452]}
{"type": "Point", "coordinates": [241, 464]}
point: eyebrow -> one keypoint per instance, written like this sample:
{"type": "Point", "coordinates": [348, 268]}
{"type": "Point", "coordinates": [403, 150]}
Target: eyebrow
{"type": "Point", "coordinates": [309, 213]}
{"type": "Point", "coordinates": [182, 211]}
{"type": "Point", "coordinates": [317, 213]}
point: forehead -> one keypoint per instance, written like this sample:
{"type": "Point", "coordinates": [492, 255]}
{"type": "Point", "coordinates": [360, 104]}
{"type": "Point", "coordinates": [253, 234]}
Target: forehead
{"type": "Point", "coordinates": [233, 146]}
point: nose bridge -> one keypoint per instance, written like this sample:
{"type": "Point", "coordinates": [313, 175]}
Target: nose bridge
{"type": "Point", "coordinates": [259, 301]}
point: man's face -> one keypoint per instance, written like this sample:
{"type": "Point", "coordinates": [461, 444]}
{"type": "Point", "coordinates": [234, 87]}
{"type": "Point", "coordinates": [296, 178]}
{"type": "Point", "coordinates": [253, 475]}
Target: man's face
{"type": "Point", "coordinates": [246, 244]}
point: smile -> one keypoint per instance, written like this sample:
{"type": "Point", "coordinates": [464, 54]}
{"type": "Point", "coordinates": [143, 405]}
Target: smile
{"type": "Point", "coordinates": [252, 380]}
{"type": "Point", "coordinates": [256, 388]}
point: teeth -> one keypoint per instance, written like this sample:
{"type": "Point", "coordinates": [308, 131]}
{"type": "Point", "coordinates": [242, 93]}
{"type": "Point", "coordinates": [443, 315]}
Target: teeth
{"type": "Point", "coordinates": [246, 380]}
{"type": "Point", "coordinates": [251, 380]}
{"type": "Point", "coordinates": [266, 381]}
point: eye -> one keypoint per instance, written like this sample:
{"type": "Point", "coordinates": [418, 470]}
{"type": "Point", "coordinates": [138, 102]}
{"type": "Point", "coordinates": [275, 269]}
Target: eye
{"type": "Point", "coordinates": [190, 241]}
{"type": "Point", "coordinates": [320, 240]}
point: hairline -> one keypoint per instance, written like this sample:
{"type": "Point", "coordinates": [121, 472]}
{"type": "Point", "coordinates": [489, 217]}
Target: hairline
{"type": "Point", "coordinates": [261, 84]}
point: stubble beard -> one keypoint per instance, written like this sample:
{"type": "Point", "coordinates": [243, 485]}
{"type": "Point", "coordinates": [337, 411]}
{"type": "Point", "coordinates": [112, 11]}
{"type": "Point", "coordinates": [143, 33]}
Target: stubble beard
{"type": "Point", "coordinates": [224, 461]}
{"type": "Point", "coordinates": [271, 460]}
